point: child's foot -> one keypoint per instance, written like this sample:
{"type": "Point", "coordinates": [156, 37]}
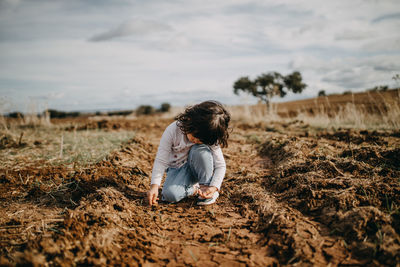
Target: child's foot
{"type": "Point", "coordinates": [208, 201]}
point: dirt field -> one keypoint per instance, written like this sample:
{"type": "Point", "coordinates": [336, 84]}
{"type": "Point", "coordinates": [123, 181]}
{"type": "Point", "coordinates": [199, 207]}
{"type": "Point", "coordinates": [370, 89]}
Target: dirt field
{"type": "Point", "coordinates": [292, 195]}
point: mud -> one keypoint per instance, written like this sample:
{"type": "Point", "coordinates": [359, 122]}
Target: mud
{"type": "Point", "coordinates": [292, 196]}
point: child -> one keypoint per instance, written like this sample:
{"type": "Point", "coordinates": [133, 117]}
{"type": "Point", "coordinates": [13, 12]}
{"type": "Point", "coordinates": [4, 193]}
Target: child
{"type": "Point", "coordinates": [190, 151]}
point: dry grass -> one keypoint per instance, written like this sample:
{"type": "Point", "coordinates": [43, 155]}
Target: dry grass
{"type": "Point", "coordinates": [352, 116]}
{"type": "Point", "coordinates": [369, 110]}
{"type": "Point", "coordinates": [255, 113]}
{"type": "Point", "coordinates": [43, 143]}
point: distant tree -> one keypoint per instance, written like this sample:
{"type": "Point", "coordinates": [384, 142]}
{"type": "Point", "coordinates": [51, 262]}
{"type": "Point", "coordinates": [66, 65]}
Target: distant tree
{"type": "Point", "coordinates": [145, 110]}
{"type": "Point", "coordinates": [347, 92]}
{"type": "Point", "coordinates": [322, 93]}
{"type": "Point", "coordinates": [383, 88]}
{"type": "Point", "coordinates": [73, 114]}
{"type": "Point", "coordinates": [267, 85]}
{"type": "Point", "coordinates": [61, 114]}
{"type": "Point", "coordinates": [379, 88]}
{"type": "Point", "coordinates": [120, 113]}
{"type": "Point", "coordinates": [56, 113]}
{"type": "Point", "coordinates": [396, 79]}
{"type": "Point", "coordinates": [16, 114]}
{"type": "Point", "coordinates": [165, 107]}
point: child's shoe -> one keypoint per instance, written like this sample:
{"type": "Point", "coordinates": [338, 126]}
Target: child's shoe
{"type": "Point", "coordinates": [208, 201]}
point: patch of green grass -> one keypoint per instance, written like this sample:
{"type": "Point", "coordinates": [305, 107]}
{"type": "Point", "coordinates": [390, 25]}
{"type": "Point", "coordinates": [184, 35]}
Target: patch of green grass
{"type": "Point", "coordinates": [91, 146]}
{"type": "Point", "coordinates": [54, 146]}
{"type": "Point", "coordinates": [253, 138]}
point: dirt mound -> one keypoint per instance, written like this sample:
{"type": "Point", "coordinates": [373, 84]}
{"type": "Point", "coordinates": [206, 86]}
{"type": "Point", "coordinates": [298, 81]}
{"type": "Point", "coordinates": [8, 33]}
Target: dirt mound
{"type": "Point", "coordinates": [353, 192]}
{"type": "Point", "coordinates": [356, 136]}
{"type": "Point", "coordinates": [97, 223]}
{"type": "Point", "coordinates": [290, 236]}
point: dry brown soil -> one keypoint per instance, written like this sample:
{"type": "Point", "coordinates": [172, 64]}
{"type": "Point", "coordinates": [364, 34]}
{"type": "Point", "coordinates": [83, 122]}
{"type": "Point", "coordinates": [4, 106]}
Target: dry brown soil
{"type": "Point", "coordinates": [292, 195]}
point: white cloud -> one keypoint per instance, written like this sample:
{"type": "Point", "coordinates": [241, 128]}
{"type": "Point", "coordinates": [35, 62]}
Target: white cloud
{"type": "Point", "coordinates": [340, 74]}
{"type": "Point", "coordinates": [136, 27]}
{"type": "Point", "coordinates": [389, 44]}
{"type": "Point", "coordinates": [57, 95]}
{"type": "Point", "coordinates": [9, 3]}
{"type": "Point", "coordinates": [351, 35]}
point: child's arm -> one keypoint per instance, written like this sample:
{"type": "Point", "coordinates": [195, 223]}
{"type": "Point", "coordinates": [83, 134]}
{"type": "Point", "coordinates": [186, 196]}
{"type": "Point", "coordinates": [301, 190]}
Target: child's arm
{"type": "Point", "coordinates": [152, 194]}
{"type": "Point", "coordinates": [161, 163]}
{"type": "Point", "coordinates": [219, 168]}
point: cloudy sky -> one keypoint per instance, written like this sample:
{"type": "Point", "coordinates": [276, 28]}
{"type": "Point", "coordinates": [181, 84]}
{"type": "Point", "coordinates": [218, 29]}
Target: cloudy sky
{"type": "Point", "coordinates": [99, 54]}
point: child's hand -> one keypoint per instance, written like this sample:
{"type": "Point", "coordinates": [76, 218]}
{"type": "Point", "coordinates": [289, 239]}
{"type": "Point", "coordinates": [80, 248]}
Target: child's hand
{"type": "Point", "coordinates": [207, 191]}
{"type": "Point", "coordinates": [152, 195]}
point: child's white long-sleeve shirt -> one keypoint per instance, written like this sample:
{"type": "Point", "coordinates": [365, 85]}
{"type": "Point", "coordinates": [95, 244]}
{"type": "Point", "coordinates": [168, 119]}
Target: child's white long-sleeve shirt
{"type": "Point", "coordinates": [173, 152]}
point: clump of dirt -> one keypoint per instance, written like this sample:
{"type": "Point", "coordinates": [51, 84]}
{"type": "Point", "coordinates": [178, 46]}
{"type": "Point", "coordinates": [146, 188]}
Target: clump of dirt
{"type": "Point", "coordinates": [354, 136]}
{"type": "Point", "coordinates": [385, 158]}
{"type": "Point", "coordinates": [276, 150]}
{"type": "Point", "coordinates": [369, 232]}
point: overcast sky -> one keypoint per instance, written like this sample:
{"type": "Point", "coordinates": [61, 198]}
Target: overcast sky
{"type": "Point", "coordinates": [99, 54]}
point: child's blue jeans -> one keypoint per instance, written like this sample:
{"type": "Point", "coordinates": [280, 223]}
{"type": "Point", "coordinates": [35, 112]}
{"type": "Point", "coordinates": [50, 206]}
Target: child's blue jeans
{"type": "Point", "coordinates": [180, 182]}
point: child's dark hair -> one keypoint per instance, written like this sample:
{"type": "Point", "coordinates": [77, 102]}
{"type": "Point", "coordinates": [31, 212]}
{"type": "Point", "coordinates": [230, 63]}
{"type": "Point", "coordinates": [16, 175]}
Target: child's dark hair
{"type": "Point", "coordinates": [207, 121]}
